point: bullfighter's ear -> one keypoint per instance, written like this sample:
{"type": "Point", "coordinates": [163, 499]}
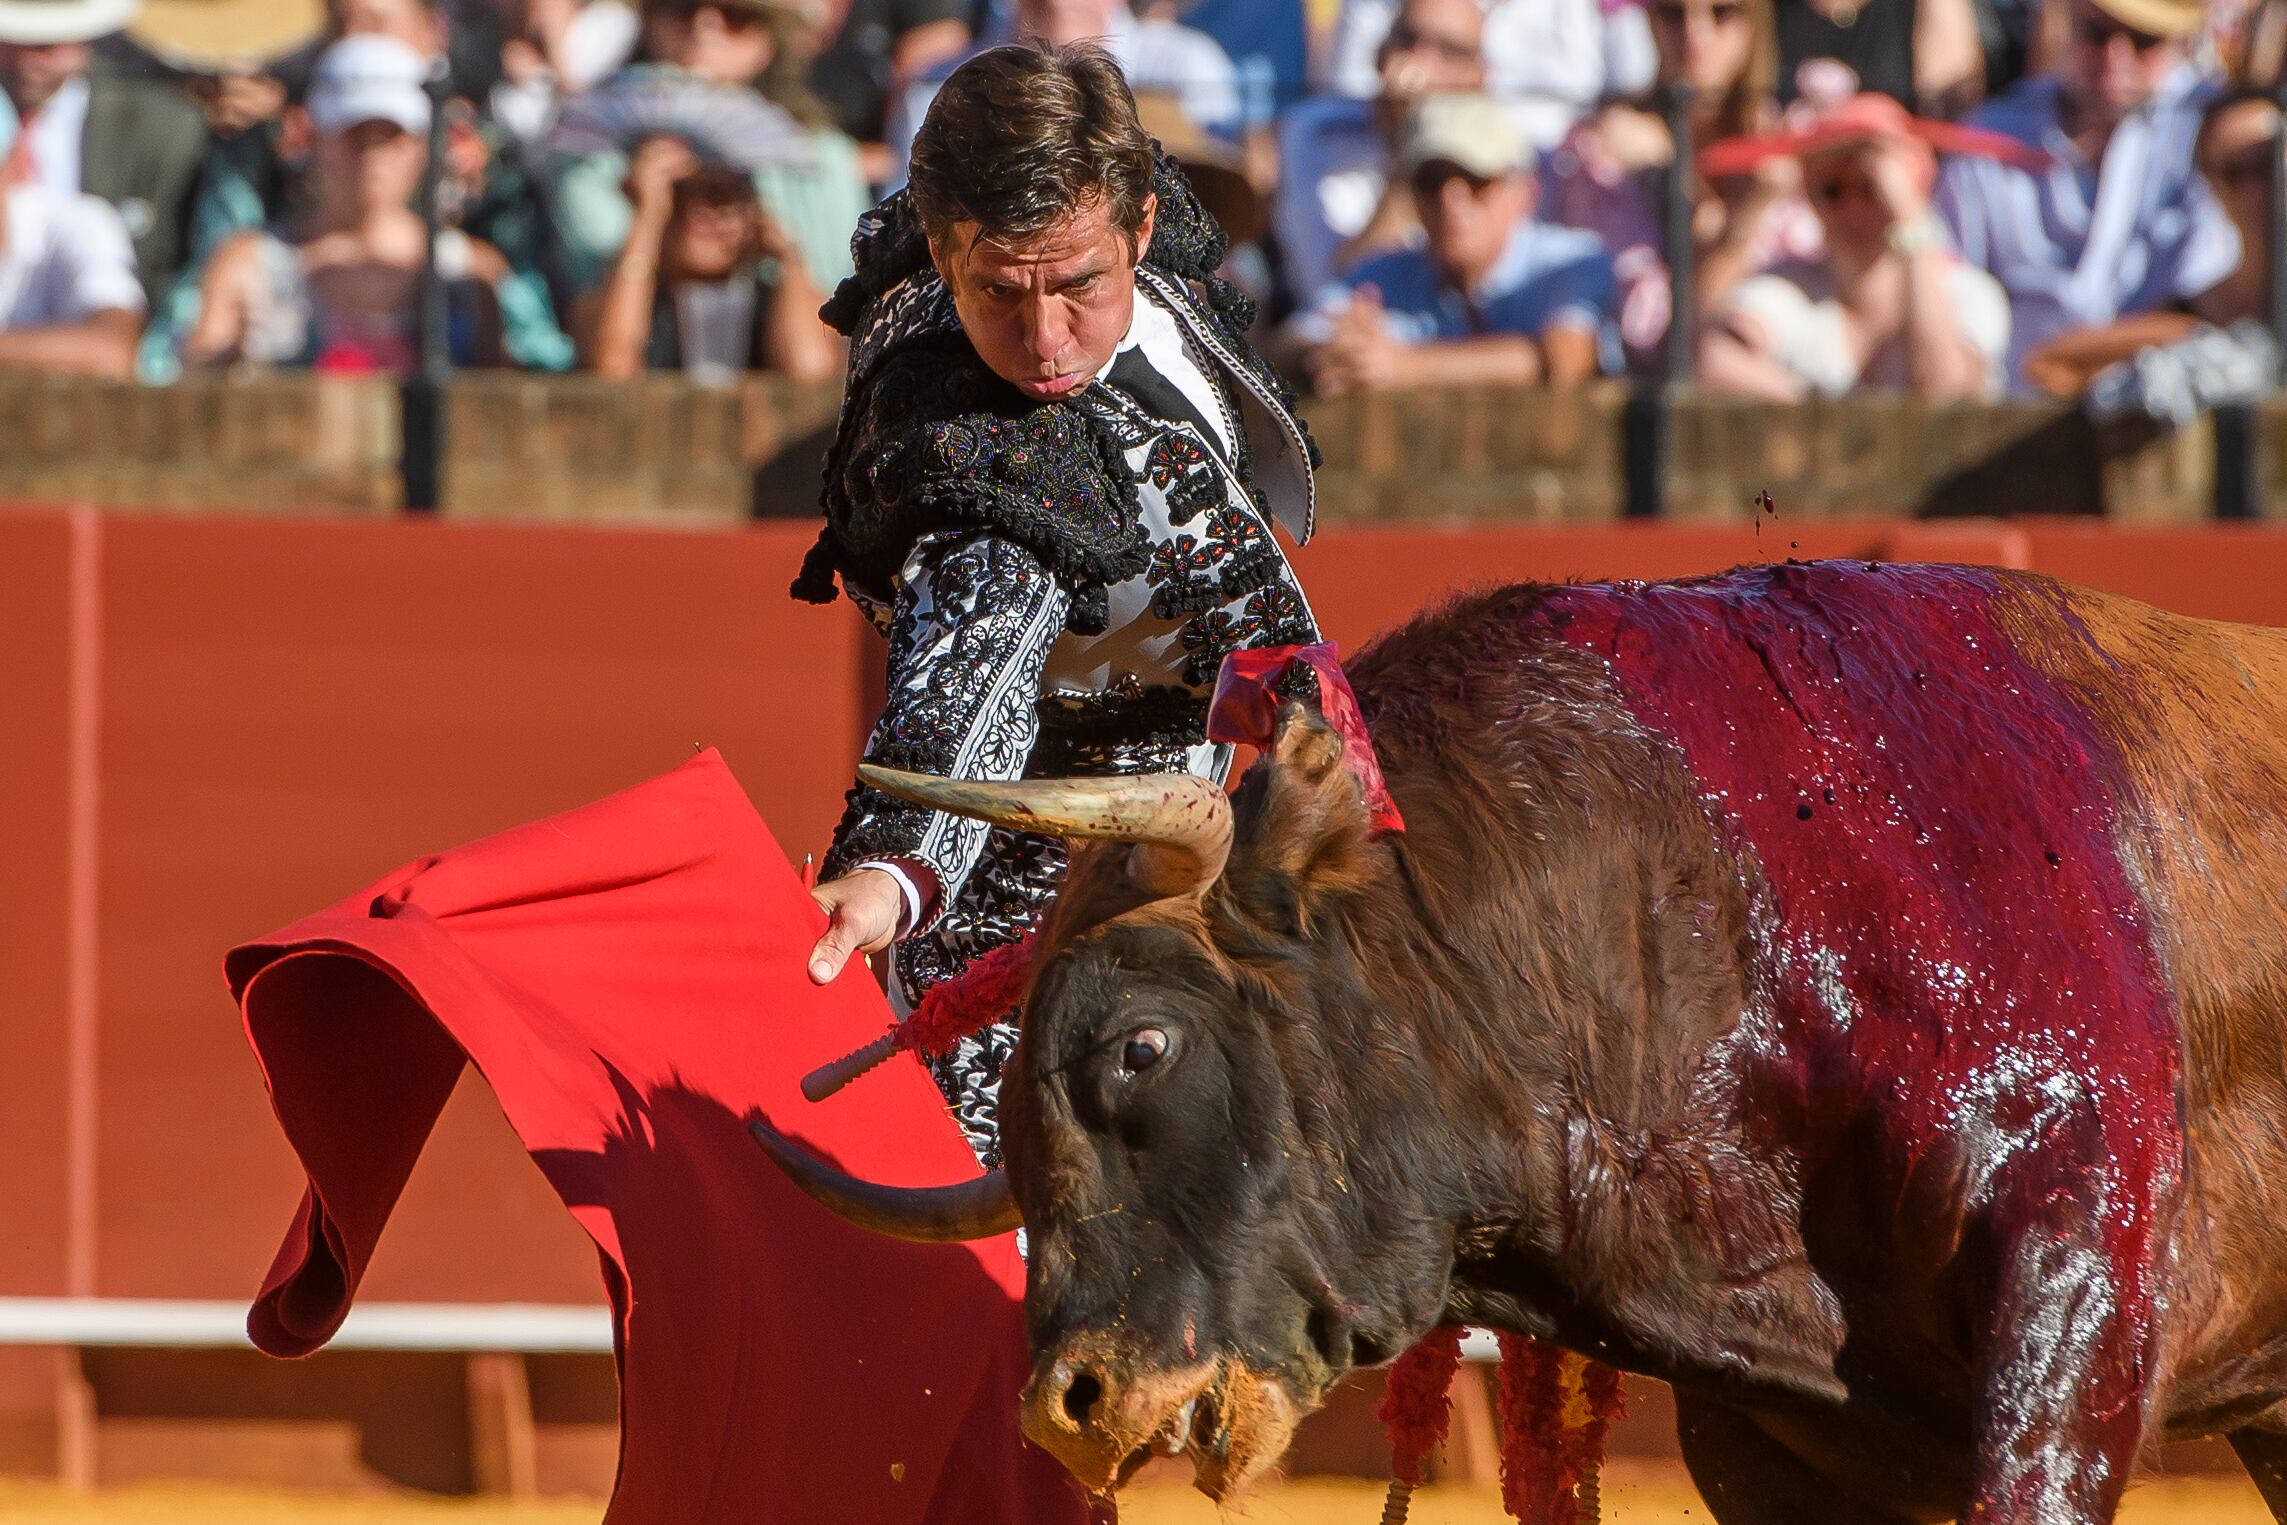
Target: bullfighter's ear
{"type": "Point", "coordinates": [1301, 830]}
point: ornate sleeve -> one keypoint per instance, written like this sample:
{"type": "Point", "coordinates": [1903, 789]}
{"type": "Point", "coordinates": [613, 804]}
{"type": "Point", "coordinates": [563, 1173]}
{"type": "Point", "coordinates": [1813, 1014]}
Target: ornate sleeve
{"type": "Point", "coordinates": [974, 620]}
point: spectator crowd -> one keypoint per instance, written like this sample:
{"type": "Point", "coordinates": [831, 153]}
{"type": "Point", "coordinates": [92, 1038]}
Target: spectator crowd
{"type": "Point", "coordinates": [1965, 198]}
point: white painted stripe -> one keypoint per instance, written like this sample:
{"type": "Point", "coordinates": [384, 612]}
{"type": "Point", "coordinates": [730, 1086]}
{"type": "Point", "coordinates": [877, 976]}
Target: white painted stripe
{"type": "Point", "coordinates": [102, 1321]}
{"type": "Point", "coordinates": [535, 1328]}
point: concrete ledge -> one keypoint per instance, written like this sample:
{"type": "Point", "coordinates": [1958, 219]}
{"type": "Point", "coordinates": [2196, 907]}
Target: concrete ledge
{"type": "Point", "coordinates": [659, 452]}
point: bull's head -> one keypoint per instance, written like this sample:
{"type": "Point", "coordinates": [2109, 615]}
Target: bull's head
{"type": "Point", "coordinates": [1204, 1119]}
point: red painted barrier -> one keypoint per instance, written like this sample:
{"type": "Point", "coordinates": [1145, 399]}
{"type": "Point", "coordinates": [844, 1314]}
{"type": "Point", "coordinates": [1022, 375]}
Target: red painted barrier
{"type": "Point", "coordinates": [209, 726]}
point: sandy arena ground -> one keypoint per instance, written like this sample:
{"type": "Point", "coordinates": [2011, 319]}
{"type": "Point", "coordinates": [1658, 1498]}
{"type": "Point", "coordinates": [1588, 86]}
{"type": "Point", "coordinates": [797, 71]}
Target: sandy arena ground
{"type": "Point", "coordinates": [1645, 1496]}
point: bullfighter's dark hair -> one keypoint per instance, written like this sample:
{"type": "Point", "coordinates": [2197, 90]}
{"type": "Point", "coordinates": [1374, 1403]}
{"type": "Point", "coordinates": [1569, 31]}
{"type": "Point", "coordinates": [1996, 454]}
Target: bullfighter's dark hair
{"type": "Point", "coordinates": [1022, 137]}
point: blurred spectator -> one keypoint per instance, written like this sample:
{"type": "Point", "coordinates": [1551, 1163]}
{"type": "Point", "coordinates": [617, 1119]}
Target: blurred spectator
{"type": "Point", "coordinates": [339, 291]}
{"type": "Point", "coordinates": [1552, 59]}
{"type": "Point", "coordinates": [1924, 54]}
{"type": "Point", "coordinates": [557, 49]}
{"type": "Point", "coordinates": [708, 283]}
{"type": "Point", "coordinates": [873, 50]}
{"type": "Point", "coordinates": [1888, 305]}
{"type": "Point", "coordinates": [1268, 43]}
{"type": "Point", "coordinates": [1218, 174]}
{"type": "Point", "coordinates": [2238, 139]}
{"type": "Point", "coordinates": [2118, 223]}
{"type": "Point", "coordinates": [1337, 200]}
{"type": "Point", "coordinates": [135, 143]}
{"type": "Point", "coordinates": [258, 176]}
{"type": "Point", "coordinates": [1157, 54]}
{"type": "Point", "coordinates": [1611, 174]}
{"type": "Point", "coordinates": [69, 297]}
{"type": "Point", "coordinates": [1494, 296]}
{"type": "Point", "coordinates": [467, 34]}
{"type": "Point", "coordinates": [728, 78]}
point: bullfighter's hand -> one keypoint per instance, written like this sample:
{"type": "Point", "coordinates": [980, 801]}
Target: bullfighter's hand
{"type": "Point", "coordinates": [862, 910]}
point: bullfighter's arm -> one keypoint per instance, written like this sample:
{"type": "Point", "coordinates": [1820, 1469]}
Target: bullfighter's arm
{"type": "Point", "coordinates": [976, 615]}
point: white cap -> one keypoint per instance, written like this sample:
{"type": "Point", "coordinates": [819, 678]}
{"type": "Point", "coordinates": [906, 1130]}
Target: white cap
{"type": "Point", "coordinates": [369, 79]}
{"type": "Point", "coordinates": [1474, 131]}
{"type": "Point", "coordinates": [40, 23]}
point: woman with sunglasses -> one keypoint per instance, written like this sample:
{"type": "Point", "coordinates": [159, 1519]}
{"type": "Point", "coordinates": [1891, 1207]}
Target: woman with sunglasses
{"type": "Point", "coordinates": [1888, 305]}
{"type": "Point", "coordinates": [1610, 175]}
{"type": "Point", "coordinates": [804, 169]}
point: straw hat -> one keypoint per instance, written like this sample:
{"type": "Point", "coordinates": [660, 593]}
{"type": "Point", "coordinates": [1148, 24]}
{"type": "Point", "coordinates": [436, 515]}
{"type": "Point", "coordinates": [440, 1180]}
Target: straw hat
{"type": "Point", "coordinates": [37, 23]}
{"type": "Point", "coordinates": [2176, 19]}
{"type": "Point", "coordinates": [220, 34]}
{"type": "Point", "coordinates": [1217, 170]}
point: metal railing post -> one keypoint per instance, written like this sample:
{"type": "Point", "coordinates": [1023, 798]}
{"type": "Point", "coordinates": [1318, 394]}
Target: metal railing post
{"type": "Point", "coordinates": [421, 397]}
{"type": "Point", "coordinates": [1645, 426]}
{"type": "Point", "coordinates": [2238, 427]}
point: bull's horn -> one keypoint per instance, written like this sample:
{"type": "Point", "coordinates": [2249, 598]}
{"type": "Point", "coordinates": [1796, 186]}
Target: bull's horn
{"type": "Point", "coordinates": [1181, 824]}
{"type": "Point", "coordinates": [976, 1209]}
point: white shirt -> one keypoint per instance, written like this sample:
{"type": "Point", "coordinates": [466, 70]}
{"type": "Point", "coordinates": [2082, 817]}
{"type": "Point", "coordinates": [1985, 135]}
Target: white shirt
{"type": "Point", "coordinates": [63, 258]}
{"type": "Point", "coordinates": [601, 37]}
{"type": "Point", "coordinates": [1795, 307]}
{"type": "Point", "coordinates": [1553, 59]}
{"type": "Point", "coordinates": [55, 135]}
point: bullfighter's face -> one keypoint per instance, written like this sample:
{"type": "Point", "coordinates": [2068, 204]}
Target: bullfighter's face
{"type": "Point", "coordinates": [1045, 312]}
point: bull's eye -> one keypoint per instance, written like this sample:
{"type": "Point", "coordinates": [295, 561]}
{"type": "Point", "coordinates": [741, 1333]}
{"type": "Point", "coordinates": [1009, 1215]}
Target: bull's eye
{"type": "Point", "coordinates": [1145, 1047]}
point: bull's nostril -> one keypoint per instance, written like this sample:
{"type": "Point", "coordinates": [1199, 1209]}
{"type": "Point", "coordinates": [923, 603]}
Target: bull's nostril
{"type": "Point", "coordinates": [1081, 1396]}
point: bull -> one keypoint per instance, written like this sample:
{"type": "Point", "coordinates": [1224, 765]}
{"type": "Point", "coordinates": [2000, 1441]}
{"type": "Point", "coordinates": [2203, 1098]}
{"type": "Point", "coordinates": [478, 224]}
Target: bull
{"type": "Point", "coordinates": [1854, 995]}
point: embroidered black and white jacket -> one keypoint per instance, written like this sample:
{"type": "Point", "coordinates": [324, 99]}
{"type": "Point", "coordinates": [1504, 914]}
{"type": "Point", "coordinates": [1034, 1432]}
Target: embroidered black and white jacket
{"type": "Point", "coordinates": [1058, 582]}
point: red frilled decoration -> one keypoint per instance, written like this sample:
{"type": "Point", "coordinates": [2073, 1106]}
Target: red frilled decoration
{"type": "Point", "coordinates": [987, 990]}
{"type": "Point", "coordinates": [1416, 1402]}
{"type": "Point", "coordinates": [1556, 1410]}
{"type": "Point", "coordinates": [1246, 705]}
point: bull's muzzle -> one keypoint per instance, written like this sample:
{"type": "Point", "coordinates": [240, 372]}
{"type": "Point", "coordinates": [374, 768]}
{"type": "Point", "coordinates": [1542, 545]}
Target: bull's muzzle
{"type": "Point", "coordinates": [1102, 1409]}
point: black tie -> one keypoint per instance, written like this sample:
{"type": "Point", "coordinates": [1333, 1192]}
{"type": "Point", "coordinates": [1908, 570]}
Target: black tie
{"type": "Point", "coordinates": [1160, 397]}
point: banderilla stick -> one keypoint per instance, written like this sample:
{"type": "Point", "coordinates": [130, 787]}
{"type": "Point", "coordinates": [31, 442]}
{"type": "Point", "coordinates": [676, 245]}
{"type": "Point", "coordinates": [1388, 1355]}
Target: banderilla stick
{"type": "Point", "coordinates": [1589, 1494]}
{"type": "Point", "coordinates": [1397, 1502]}
{"type": "Point", "coordinates": [826, 1079]}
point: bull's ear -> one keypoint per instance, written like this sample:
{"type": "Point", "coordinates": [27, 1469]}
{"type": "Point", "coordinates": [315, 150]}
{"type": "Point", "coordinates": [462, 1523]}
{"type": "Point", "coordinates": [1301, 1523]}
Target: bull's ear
{"type": "Point", "coordinates": [1302, 827]}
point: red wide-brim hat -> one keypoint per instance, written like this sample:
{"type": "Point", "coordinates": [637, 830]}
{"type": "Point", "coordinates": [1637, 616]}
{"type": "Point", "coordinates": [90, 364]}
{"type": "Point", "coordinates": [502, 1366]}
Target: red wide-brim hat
{"type": "Point", "coordinates": [1860, 119]}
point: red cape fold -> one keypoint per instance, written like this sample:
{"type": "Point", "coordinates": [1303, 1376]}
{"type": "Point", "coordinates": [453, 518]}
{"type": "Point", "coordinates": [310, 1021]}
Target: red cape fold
{"type": "Point", "coordinates": [628, 978]}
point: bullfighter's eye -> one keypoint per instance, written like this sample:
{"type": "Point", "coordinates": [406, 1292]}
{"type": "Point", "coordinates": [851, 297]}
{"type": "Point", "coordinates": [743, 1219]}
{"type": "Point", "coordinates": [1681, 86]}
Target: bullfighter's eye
{"type": "Point", "coordinates": [1145, 1047]}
